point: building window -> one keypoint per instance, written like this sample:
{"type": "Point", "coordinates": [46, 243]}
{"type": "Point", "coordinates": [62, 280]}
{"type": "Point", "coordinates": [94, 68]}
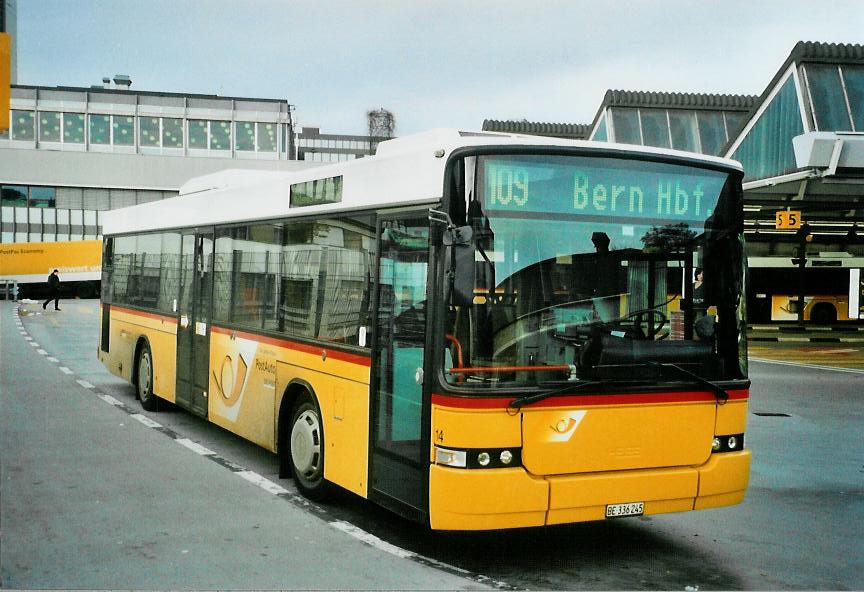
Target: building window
{"type": "Point", "coordinates": [626, 125]}
{"type": "Point", "coordinates": [198, 134]}
{"type": "Point", "coordinates": [766, 150]}
{"type": "Point", "coordinates": [655, 128]}
{"type": "Point", "coordinates": [43, 197]}
{"type": "Point", "coordinates": [22, 126]}
{"type": "Point", "coordinates": [49, 126]}
{"type": "Point", "coordinates": [73, 128]}
{"type": "Point", "coordinates": [712, 133]}
{"type": "Point", "coordinates": [14, 195]}
{"type": "Point", "coordinates": [682, 126]}
{"type": "Point", "coordinates": [733, 123]}
{"type": "Point", "coordinates": [266, 137]}
{"type": "Point", "coordinates": [172, 132]}
{"type": "Point", "coordinates": [600, 136]}
{"type": "Point", "coordinates": [124, 130]}
{"type": "Point", "coordinates": [245, 136]}
{"type": "Point", "coordinates": [854, 78]}
{"type": "Point", "coordinates": [100, 129]}
{"type": "Point", "coordinates": [220, 135]}
{"type": "Point", "coordinates": [826, 93]}
{"type": "Point", "coordinates": [148, 130]}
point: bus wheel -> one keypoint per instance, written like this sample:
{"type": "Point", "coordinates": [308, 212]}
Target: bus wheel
{"type": "Point", "coordinates": [307, 449]}
{"type": "Point", "coordinates": [823, 313]}
{"type": "Point", "coordinates": [144, 381]}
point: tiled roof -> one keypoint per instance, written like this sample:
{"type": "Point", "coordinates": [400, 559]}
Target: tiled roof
{"type": "Point", "coordinates": [668, 100]}
{"type": "Point", "coordinates": [573, 131]}
{"type": "Point", "coordinates": [827, 52]}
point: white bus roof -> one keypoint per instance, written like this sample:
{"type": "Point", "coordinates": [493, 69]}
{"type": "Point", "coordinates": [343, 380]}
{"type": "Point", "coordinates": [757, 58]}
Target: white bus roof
{"type": "Point", "coordinates": [405, 171]}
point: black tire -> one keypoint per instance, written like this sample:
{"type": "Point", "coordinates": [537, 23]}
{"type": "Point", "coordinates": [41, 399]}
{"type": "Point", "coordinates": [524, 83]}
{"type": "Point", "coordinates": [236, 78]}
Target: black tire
{"type": "Point", "coordinates": [823, 314]}
{"type": "Point", "coordinates": [144, 379]}
{"type": "Point", "coordinates": [306, 456]}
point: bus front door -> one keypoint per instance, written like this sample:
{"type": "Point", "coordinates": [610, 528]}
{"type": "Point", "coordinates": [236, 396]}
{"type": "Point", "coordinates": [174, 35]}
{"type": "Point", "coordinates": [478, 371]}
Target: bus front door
{"type": "Point", "coordinates": [399, 461]}
{"type": "Point", "coordinates": [193, 322]}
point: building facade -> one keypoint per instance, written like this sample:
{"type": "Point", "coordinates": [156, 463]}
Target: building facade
{"type": "Point", "coordinates": [802, 147]}
{"type": "Point", "coordinates": [313, 146]}
{"type": "Point", "coordinates": [801, 143]}
{"type": "Point", "coordinates": [72, 153]}
{"type": "Point", "coordinates": [682, 121]}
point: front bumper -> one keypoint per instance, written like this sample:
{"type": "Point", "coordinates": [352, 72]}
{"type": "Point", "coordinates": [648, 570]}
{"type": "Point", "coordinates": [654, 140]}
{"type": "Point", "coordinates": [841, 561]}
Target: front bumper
{"type": "Point", "coordinates": [469, 499]}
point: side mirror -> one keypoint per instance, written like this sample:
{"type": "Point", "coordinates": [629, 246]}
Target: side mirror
{"type": "Point", "coordinates": [464, 270]}
{"type": "Point", "coordinates": [458, 235]}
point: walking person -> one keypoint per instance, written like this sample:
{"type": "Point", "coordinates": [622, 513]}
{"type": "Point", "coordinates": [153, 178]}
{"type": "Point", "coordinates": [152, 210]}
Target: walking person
{"type": "Point", "coordinates": [53, 290]}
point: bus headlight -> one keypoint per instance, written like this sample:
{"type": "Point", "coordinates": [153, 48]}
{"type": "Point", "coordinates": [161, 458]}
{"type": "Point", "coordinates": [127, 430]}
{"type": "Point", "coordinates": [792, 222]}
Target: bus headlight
{"type": "Point", "coordinates": [451, 458]}
{"type": "Point", "coordinates": [728, 443]}
{"type": "Point", "coordinates": [488, 458]}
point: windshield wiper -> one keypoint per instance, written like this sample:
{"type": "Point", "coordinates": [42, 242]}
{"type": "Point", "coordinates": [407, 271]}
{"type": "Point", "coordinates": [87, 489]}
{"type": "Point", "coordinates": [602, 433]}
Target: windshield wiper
{"type": "Point", "coordinates": [719, 393]}
{"type": "Point", "coordinates": [529, 399]}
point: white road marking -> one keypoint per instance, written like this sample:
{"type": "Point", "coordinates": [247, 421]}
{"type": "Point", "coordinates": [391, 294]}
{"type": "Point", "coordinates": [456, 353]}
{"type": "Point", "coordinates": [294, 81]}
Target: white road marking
{"type": "Point", "coordinates": [816, 366]}
{"type": "Point", "coordinates": [261, 482]}
{"type": "Point", "coordinates": [85, 384]}
{"type": "Point", "coordinates": [194, 447]}
{"type": "Point", "coordinates": [41, 352]}
{"type": "Point", "coordinates": [65, 370]}
{"type": "Point", "coordinates": [110, 400]}
{"type": "Point", "coordinates": [53, 360]}
{"type": "Point", "coordinates": [146, 420]}
{"type": "Point", "coordinates": [371, 539]}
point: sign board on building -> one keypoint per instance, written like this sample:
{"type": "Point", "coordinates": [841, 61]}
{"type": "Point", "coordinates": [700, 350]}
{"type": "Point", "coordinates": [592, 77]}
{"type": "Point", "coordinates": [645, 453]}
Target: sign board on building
{"type": "Point", "coordinates": [788, 220]}
{"type": "Point", "coordinates": [5, 79]}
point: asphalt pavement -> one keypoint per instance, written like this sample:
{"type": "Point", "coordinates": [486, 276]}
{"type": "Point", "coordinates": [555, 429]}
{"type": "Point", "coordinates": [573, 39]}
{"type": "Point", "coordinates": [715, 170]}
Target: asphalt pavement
{"type": "Point", "coordinates": [93, 497]}
{"type": "Point", "coordinates": [96, 493]}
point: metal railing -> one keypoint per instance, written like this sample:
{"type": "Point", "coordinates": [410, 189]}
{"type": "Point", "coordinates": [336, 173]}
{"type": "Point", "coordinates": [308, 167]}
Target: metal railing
{"type": "Point", "coordinates": [8, 289]}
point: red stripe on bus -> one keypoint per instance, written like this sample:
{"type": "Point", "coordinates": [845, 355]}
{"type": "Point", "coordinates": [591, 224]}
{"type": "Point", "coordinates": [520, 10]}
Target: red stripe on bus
{"type": "Point", "coordinates": [141, 313]}
{"type": "Point", "coordinates": [296, 346]}
{"type": "Point", "coordinates": [587, 400]}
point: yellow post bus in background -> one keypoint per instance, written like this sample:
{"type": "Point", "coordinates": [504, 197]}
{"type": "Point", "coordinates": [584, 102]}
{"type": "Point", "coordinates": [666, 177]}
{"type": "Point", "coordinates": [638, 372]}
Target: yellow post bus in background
{"type": "Point", "coordinates": [475, 330]}
{"type": "Point", "coordinates": [29, 264]}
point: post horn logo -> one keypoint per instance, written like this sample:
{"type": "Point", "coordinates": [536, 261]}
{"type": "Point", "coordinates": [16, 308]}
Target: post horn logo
{"type": "Point", "coordinates": [231, 387]}
{"type": "Point", "coordinates": [565, 427]}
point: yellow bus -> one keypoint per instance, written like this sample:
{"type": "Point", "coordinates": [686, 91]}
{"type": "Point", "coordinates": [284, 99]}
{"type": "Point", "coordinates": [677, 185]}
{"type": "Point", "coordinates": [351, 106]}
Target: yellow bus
{"type": "Point", "coordinates": [474, 330]}
{"type": "Point", "coordinates": [79, 264]}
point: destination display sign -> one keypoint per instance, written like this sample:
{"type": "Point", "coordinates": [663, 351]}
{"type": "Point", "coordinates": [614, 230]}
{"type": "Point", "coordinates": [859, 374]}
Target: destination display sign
{"type": "Point", "coordinates": [600, 187]}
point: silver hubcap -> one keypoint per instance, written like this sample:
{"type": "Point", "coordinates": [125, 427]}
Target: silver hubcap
{"type": "Point", "coordinates": [144, 376]}
{"type": "Point", "coordinates": [306, 444]}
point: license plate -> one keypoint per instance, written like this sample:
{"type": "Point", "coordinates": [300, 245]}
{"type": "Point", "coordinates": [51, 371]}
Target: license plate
{"type": "Point", "coordinates": [619, 510]}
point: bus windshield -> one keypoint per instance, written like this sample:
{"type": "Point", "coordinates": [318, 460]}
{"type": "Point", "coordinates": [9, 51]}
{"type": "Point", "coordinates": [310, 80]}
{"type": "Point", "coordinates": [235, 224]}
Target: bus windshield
{"type": "Point", "coordinates": [582, 267]}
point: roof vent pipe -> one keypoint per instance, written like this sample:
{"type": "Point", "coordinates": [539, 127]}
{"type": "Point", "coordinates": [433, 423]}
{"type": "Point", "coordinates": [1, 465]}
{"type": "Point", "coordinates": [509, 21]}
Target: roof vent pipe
{"type": "Point", "coordinates": [106, 82]}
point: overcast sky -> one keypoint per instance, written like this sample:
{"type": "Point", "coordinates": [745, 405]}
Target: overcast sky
{"type": "Point", "coordinates": [443, 63]}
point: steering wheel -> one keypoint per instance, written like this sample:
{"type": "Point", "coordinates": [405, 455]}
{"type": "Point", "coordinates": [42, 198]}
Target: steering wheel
{"type": "Point", "coordinates": [639, 317]}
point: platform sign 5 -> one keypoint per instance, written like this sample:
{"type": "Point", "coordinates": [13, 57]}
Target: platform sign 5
{"type": "Point", "coordinates": [788, 220]}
